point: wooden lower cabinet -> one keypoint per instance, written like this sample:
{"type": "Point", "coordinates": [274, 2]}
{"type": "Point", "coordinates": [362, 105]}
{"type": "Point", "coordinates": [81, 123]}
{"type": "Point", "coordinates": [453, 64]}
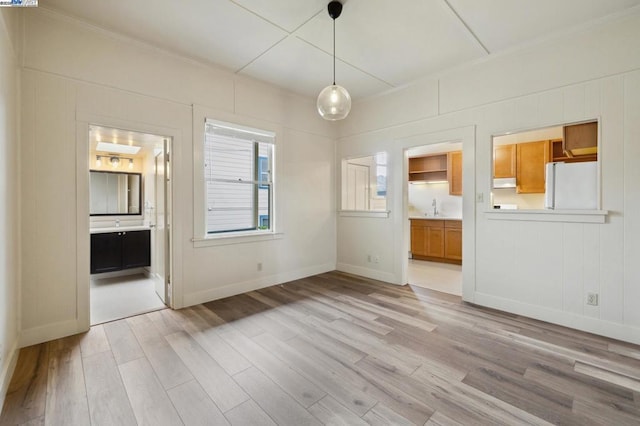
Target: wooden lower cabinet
{"type": "Point", "coordinates": [435, 241]}
{"type": "Point", "coordinates": [453, 240]}
{"type": "Point", "coordinates": [438, 240]}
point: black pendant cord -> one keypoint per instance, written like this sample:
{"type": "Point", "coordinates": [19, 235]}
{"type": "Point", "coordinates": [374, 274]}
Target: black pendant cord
{"type": "Point", "coordinates": [334, 51]}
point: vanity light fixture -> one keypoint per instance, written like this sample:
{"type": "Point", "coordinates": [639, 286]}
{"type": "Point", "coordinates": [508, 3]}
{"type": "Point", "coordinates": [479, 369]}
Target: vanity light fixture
{"type": "Point", "coordinates": [130, 163]}
{"type": "Point", "coordinates": [115, 162]}
{"type": "Point", "coordinates": [334, 102]}
{"type": "Point", "coordinates": [98, 161]}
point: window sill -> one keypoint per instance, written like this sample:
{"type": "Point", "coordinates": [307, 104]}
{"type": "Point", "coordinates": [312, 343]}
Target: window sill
{"type": "Point", "coordinates": [575, 216]}
{"type": "Point", "coordinates": [228, 239]}
{"type": "Point", "coordinates": [365, 213]}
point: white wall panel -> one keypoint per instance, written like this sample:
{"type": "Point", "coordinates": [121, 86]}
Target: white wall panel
{"type": "Point", "coordinates": [9, 198]}
{"type": "Point", "coordinates": [551, 107]}
{"type": "Point", "coordinates": [590, 54]}
{"type": "Point", "coordinates": [591, 248]}
{"type": "Point", "coordinates": [403, 105]}
{"type": "Point", "coordinates": [573, 268]}
{"type": "Point", "coordinates": [62, 97]}
{"type": "Point", "coordinates": [574, 103]}
{"type": "Point", "coordinates": [632, 198]}
{"type": "Point", "coordinates": [54, 45]}
{"type": "Point", "coordinates": [540, 269]}
{"type": "Point", "coordinates": [612, 234]}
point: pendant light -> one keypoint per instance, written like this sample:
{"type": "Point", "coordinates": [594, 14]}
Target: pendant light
{"type": "Point", "coordinates": [334, 102]}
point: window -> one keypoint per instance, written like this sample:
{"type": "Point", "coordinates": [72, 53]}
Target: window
{"type": "Point", "coordinates": [238, 174]}
{"type": "Point", "coordinates": [552, 168]}
{"type": "Point", "coordinates": [364, 183]}
{"type": "Point", "coordinates": [381, 174]}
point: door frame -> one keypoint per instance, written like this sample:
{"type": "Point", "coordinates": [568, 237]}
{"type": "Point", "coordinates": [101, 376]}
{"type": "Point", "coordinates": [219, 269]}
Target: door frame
{"type": "Point", "coordinates": [467, 136]}
{"type": "Point", "coordinates": [83, 236]}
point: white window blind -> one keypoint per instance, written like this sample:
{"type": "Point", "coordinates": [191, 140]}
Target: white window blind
{"type": "Point", "coordinates": [238, 172]}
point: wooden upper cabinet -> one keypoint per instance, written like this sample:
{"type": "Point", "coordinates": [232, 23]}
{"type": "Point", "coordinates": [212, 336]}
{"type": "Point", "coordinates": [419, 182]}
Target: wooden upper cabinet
{"type": "Point", "coordinates": [428, 168]}
{"type": "Point", "coordinates": [580, 139]}
{"type": "Point", "coordinates": [504, 161]}
{"type": "Point", "coordinates": [531, 158]}
{"type": "Point", "coordinates": [454, 172]}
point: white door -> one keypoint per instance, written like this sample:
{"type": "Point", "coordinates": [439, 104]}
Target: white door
{"type": "Point", "coordinates": [161, 264]}
{"type": "Point", "coordinates": [357, 187]}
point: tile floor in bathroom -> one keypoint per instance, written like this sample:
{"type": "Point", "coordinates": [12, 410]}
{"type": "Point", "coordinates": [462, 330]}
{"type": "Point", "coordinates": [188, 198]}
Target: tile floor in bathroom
{"type": "Point", "coordinates": [122, 297]}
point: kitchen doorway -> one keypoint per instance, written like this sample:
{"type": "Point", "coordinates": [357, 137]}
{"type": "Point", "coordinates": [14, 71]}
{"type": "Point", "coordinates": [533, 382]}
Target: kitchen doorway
{"type": "Point", "coordinates": [434, 212]}
{"type": "Point", "coordinates": [130, 216]}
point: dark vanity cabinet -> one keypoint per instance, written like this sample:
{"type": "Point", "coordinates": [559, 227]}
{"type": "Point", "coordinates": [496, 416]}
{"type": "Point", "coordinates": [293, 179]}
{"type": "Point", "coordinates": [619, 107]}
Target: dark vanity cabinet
{"type": "Point", "coordinates": [114, 251]}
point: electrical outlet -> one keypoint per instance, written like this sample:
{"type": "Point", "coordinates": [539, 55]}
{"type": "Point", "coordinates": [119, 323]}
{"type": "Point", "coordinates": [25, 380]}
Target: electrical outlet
{"type": "Point", "coordinates": [480, 197]}
{"type": "Point", "coordinates": [592, 299]}
{"type": "Point", "coordinates": [259, 266]}
{"type": "Point", "coordinates": [376, 259]}
{"type": "Point", "coordinates": [369, 258]}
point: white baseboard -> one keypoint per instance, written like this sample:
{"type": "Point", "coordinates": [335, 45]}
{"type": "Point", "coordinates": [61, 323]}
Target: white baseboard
{"type": "Point", "coordinates": [610, 329]}
{"type": "Point", "coordinates": [33, 336]}
{"type": "Point", "coordinates": [8, 367]}
{"type": "Point", "coordinates": [374, 274]}
{"type": "Point", "coordinates": [204, 296]}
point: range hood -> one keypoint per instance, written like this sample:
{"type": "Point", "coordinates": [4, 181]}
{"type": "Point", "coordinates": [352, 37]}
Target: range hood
{"type": "Point", "coordinates": [504, 182]}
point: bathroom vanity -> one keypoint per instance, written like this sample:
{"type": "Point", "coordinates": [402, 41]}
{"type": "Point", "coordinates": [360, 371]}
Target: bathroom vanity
{"type": "Point", "coordinates": [124, 248]}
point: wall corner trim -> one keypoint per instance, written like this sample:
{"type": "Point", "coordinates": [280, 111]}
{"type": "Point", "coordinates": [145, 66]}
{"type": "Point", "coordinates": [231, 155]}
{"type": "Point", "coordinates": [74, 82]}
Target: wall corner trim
{"type": "Point", "coordinates": [7, 371]}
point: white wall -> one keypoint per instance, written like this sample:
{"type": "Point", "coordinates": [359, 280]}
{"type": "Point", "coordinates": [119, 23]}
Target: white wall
{"type": "Point", "coordinates": [536, 268]}
{"type": "Point", "coordinates": [9, 198]}
{"type": "Point", "coordinates": [75, 75]}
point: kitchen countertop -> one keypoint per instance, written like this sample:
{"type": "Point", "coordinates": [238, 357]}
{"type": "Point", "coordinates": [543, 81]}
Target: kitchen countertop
{"type": "Point", "coordinates": [435, 218]}
{"type": "Point", "coordinates": [119, 229]}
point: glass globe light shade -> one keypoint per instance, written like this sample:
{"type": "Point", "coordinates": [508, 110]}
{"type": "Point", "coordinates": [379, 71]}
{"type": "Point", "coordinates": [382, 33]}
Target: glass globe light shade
{"type": "Point", "coordinates": [334, 103]}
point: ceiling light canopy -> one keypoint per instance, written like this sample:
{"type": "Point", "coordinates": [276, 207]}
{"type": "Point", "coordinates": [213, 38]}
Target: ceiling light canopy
{"type": "Point", "coordinates": [117, 148]}
{"type": "Point", "coordinates": [334, 102]}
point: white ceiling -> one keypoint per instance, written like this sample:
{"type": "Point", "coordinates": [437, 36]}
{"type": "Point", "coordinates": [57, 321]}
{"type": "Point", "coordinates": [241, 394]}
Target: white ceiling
{"type": "Point", "coordinates": [379, 44]}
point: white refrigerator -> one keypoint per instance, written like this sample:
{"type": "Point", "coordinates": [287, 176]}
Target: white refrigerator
{"type": "Point", "coordinates": [571, 186]}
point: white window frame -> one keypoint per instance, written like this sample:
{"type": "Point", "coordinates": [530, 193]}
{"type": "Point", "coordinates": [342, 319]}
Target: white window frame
{"type": "Point", "coordinates": [200, 236]}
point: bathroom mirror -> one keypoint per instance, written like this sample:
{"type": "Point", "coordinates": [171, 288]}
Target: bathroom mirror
{"type": "Point", "coordinates": [115, 193]}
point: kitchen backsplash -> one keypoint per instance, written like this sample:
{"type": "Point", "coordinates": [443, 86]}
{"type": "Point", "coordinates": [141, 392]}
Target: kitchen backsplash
{"type": "Point", "coordinates": [421, 198]}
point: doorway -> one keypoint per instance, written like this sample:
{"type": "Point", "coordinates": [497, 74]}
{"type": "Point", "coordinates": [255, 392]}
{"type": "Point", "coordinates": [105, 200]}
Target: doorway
{"type": "Point", "coordinates": [130, 214]}
{"type": "Point", "coordinates": [434, 209]}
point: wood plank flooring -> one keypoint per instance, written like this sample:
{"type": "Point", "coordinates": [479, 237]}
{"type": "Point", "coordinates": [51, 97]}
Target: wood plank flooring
{"type": "Point", "coordinates": [331, 349]}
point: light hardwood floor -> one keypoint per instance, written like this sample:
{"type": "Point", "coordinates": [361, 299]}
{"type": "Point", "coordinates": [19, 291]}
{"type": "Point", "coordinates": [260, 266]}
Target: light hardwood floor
{"type": "Point", "coordinates": [329, 349]}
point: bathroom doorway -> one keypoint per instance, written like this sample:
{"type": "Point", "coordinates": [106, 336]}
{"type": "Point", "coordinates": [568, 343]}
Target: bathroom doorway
{"type": "Point", "coordinates": [130, 213]}
{"type": "Point", "coordinates": [434, 208]}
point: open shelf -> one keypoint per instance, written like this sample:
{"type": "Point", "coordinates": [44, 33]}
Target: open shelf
{"type": "Point", "coordinates": [429, 168]}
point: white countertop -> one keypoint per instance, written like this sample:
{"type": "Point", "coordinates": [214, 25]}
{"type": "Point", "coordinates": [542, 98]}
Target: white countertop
{"type": "Point", "coordinates": [435, 217]}
{"type": "Point", "coordinates": [119, 229]}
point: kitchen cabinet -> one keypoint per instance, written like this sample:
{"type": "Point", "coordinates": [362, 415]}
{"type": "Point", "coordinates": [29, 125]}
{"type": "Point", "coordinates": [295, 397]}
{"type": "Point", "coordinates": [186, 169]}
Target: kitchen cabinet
{"type": "Point", "coordinates": [531, 158]}
{"type": "Point", "coordinates": [429, 168]}
{"type": "Point", "coordinates": [504, 161]}
{"type": "Point", "coordinates": [557, 153]}
{"type": "Point", "coordinates": [454, 172]}
{"type": "Point", "coordinates": [438, 240]}
{"type": "Point", "coordinates": [115, 251]}
{"type": "Point", "coordinates": [580, 139]}
{"type": "Point", "coordinates": [453, 239]}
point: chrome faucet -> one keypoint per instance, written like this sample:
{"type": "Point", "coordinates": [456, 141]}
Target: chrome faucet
{"type": "Point", "coordinates": [435, 207]}
{"type": "Point", "coordinates": [117, 223]}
